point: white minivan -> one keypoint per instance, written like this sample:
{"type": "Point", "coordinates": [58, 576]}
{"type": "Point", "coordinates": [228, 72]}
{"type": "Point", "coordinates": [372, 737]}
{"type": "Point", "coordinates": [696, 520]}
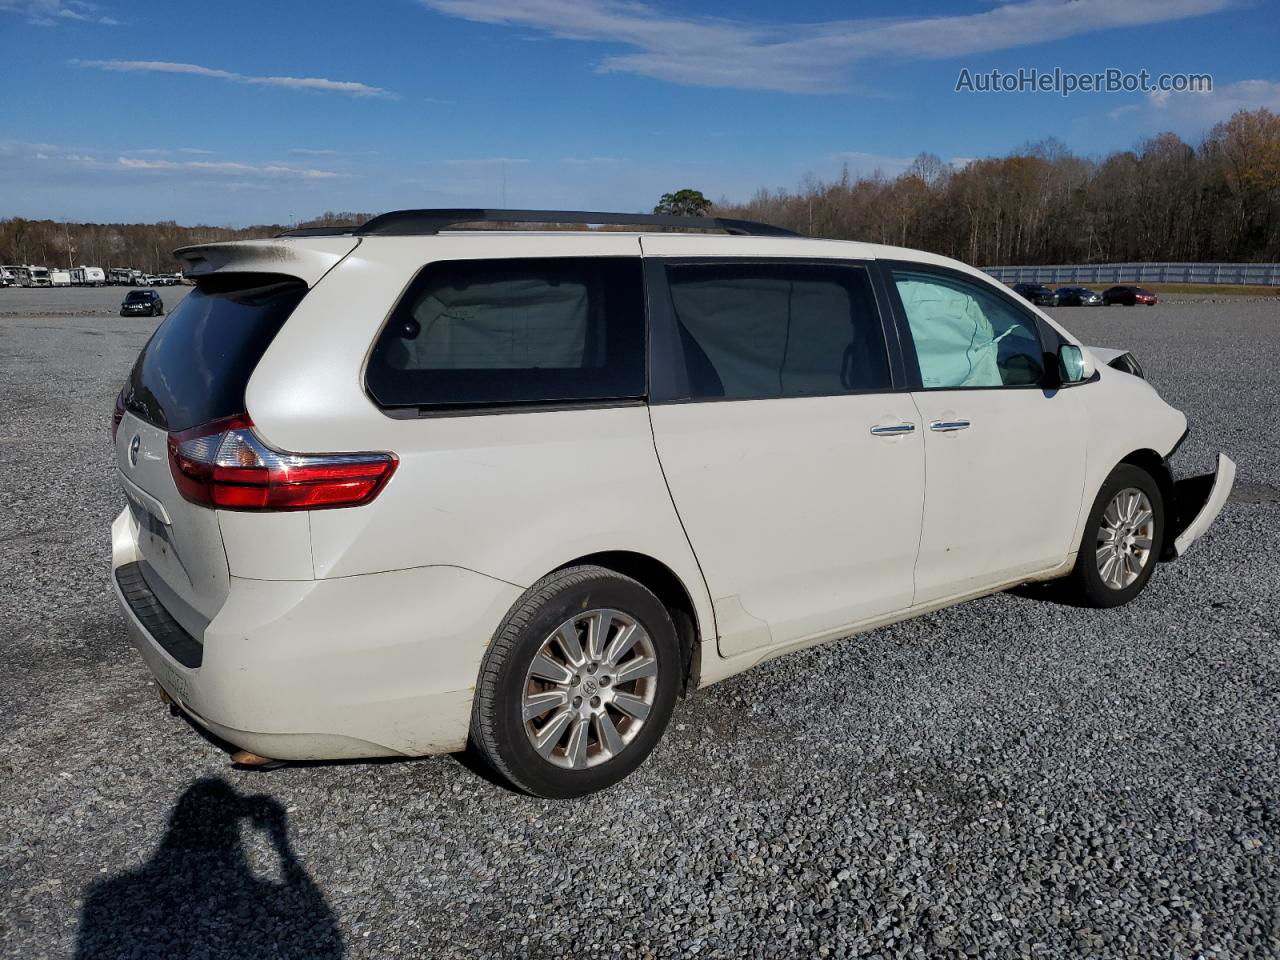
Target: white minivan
{"type": "Point", "coordinates": [404, 487]}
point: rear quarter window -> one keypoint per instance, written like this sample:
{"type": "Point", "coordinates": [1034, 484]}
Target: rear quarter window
{"type": "Point", "coordinates": [197, 364]}
{"type": "Point", "coordinates": [471, 333]}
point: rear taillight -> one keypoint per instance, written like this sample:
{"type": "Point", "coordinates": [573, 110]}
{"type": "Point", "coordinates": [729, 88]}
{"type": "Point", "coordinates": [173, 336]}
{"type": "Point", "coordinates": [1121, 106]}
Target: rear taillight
{"type": "Point", "coordinates": [117, 414]}
{"type": "Point", "coordinates": [225, 464]}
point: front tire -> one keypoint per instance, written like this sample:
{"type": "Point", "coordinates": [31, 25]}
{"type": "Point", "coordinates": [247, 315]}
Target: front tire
{"type": "Point", "coordinates": [1122, 540]}
{"type": "Point", "coordinates": [578, 684]}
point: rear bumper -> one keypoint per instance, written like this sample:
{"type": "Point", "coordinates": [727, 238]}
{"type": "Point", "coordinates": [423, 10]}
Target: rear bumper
{"type": "Point", "coordinates": [376, 665]}
{"type": "Point", "coordinates": [1198, 501]}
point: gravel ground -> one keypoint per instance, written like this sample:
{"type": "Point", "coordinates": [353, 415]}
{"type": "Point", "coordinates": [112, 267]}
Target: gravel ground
{"type": "Point", "coordinates": [1007, 778]}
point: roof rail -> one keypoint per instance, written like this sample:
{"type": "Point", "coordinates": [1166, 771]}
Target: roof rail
{"type": "Point", "coordinates": [320, 231]}
{"type": "Point", "coordinates": [416, 223]}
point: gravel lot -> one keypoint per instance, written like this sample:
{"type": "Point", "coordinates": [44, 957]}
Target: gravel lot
{"type": "Point", "coordinates": [1007, 778]}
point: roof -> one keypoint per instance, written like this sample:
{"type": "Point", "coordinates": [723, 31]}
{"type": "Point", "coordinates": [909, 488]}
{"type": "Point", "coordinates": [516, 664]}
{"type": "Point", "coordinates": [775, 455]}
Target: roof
{"type": "Point", "coordinates": [426, 222]}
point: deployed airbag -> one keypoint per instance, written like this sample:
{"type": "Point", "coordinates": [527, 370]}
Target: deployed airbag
{"type": "Point", "coordinates": [506, 324]}
{"type": "Point", "coordinates": [955, 342]}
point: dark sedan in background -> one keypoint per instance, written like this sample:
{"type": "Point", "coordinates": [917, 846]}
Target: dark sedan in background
{"type": "Point", "coordinates": [1037, 293]}
{"type": "Point", "coordinates": [1078, 297]}
{"type": "Point", "coordinates": [1129, 296]}
{"type": "Point", "coordinates": [142, 303]}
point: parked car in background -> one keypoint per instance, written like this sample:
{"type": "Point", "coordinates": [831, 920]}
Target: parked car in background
{"type": "Point", "coordinates": [399, 488]}
{"type": "Point", "coordinates": [1078, 297]}
{"type": "Point", "coordinates": [1128, 296]}
{"type": "Point", "coordinates": [142, 303]}
{"type": "Point", "coordinates": [1037, 293]}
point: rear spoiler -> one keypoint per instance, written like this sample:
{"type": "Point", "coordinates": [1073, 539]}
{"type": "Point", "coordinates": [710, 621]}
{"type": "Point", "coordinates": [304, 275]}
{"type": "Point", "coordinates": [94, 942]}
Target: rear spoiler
{"type": "Point", "coordinates": [307, 259]}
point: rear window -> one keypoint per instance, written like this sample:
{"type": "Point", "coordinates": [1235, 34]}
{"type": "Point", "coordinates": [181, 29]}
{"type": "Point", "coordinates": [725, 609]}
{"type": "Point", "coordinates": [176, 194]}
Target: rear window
{"type": "Point", "coordinates": [196, 365]}
{"type": "Point", "coordinates": [520, 331]}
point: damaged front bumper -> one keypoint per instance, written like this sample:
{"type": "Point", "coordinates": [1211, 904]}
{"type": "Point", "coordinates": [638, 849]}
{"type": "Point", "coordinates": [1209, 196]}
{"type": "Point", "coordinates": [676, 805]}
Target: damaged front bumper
{"type": "Point", "coordinates": [1197, 501]}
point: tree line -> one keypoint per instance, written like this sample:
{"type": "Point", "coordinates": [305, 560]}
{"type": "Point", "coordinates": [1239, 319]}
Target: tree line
{"type": "Point", "coordinates": [1216, 200]}
{"type": "Point", "coordinates": [1165, 200]}
{"type": "Point", "coordinates": [143, 246]}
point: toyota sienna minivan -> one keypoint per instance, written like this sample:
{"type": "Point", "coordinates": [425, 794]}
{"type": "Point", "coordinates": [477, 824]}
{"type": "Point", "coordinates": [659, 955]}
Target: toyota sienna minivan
{"type": "Point", "coordinates": [404, 487]}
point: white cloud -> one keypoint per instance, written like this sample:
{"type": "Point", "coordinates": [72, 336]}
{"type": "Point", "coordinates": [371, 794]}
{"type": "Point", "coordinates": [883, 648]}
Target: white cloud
{"type": "Point", "coordinates": [17, 153]}
{"type": "Point", "coordinates": [348, 87]}
{"type": "Point", "coordinates": [806, 58]}
{"type": "Point", "coordinates": [49, 13]}
{"type": "Point", "coordinates": [227, 167]}
{"type": "Point", "coordinates": [164, 151]}
{"type": "Point", "coordinates": [1195, 112]}
{"type": "Point", "coordinates": [487, 161]}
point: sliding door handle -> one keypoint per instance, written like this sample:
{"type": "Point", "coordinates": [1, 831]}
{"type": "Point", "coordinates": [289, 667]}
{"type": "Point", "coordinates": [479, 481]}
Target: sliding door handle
{"type": "Point", "coordinates": [893, 429]}
{"type": "Point", "coordinates": [948, 426]}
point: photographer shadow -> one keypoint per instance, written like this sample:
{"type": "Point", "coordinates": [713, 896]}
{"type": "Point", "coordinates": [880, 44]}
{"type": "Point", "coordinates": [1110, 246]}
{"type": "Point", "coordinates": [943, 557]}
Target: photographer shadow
{"type": "Point", "coordinates": [199, 895]}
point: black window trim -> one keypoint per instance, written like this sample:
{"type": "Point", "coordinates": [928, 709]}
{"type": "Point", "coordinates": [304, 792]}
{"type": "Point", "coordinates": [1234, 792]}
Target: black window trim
{"type": "Point", "coordinates": [410, 411]}
{"type": "Point", "coordinates": [668, 383]}
{"type": "Point", "coordinates": [1050, 338]}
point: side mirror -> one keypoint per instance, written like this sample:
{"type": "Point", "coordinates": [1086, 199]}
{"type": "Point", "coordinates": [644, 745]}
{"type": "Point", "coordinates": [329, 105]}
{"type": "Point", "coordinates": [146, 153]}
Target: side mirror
{"type": "Point", "coordinates": [1074, 365]}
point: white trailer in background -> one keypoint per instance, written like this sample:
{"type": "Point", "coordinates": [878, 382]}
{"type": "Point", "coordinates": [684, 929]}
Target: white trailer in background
{"type": "Point", "coordinates": [60, 278]}
{"type": "Point", "coordinates": [88, 277]}
{"type": "Point", "coordinates": [19, 276]}
{"type": "Point", "coordinates": [118, 276]}
{"type": "Point", "coordinates": [39, 276]}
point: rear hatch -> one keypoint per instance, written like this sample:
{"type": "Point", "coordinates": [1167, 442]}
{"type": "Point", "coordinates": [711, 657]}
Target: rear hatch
{"type": "Point", "coordinates": [192, 371]}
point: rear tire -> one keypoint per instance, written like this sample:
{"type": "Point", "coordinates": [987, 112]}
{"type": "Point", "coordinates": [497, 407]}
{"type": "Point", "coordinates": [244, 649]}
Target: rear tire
{"type": "Point", "coordinates": [1123, 537]}
{"type": "Point", "coordinates": [553, 713]}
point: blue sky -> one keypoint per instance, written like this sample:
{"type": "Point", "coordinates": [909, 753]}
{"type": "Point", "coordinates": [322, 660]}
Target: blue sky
{"type": "Point", "coordinates": [248, 112]}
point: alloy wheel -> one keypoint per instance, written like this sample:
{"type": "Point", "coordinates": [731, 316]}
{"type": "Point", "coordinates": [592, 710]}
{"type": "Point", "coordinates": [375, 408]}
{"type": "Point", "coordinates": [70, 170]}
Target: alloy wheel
{"type": "Point", "coordinates": [1125, 537]}
{"type": "Point", "coordinates": [589, 689]}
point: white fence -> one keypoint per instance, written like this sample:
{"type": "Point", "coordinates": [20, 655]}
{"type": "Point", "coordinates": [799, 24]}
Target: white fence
{"type": "Point", "coordinates": [1266, 274]}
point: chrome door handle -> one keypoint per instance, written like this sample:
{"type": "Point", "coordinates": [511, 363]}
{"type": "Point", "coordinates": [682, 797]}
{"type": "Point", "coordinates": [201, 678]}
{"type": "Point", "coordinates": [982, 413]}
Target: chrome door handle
{"type": "Point", "coordinates": [948, 426]}
{"type": "Point", "coordinates": [893, 429]}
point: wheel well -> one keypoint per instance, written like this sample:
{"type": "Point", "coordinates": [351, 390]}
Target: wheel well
{"type": "Point", "coordinates": [1158, 467]}
{"type": "Point", "coordinates": [668, 588]}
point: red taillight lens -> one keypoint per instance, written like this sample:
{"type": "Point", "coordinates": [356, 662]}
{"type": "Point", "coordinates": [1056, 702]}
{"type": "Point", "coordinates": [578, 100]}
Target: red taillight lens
{"type": "Point", "coordinates": [224, 464]}
{"type": "Point", "coordinates": [117, 414]}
